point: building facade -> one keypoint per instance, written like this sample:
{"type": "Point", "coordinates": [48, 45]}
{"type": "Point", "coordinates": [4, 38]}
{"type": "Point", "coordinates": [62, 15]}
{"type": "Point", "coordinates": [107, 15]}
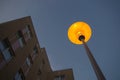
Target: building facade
{"type": "Point", "coordinates": [21, 57]}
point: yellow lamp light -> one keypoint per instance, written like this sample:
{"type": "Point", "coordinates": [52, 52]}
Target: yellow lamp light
{"type": "Point", "coordinates": [80, 33]}
{"type": "Point", "coordinates": [78, 29]}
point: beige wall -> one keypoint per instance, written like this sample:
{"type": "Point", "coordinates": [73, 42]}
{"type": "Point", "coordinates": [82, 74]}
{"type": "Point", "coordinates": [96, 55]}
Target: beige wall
{"type": "Point", "coordinates": [8, 30]}
{"type": "Point", "coordinates": [40, 67]}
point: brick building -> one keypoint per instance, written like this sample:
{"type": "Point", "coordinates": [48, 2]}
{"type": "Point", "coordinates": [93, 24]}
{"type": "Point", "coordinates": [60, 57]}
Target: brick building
{"type": "Point", "coordinates": [21, 57]}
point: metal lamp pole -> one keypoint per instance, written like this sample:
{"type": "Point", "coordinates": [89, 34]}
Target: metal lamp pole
{"type": "Point", "coordinates": [94, 64]}
{"type": "Point", "coordinates": [79, 33]}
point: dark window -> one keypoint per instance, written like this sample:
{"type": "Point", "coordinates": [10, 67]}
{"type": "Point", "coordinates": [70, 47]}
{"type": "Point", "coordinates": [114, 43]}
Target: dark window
{"type": "Point", "coordinates": [26, 65]}
{"type": "Point", "coordinates": [34, 53]}
{"type": "Point", "coordinates": [39, 72]}
{"type": "Point", "coordinates": [27, 33]}
{"type": "Point", "coordinates": [28, 61]}
{"type": "Point", "coordinates": [20, 38]}
{"type": "Point", "coordinates": [35, 50]}
{"type": "Point", "coordinates": [2, 61]}
{"type": "Point", "coordinates": [19, 75]}
{"type": "Point", "coordinates": [5, 50]}
{"type": "Point", "coordinates": [17, 40]}
{"type": "Point", "coordinates": [60, 77]}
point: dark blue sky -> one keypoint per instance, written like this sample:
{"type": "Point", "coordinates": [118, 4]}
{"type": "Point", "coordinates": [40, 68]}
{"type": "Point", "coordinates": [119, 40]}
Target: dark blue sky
{"type": "Point", "coordinates": [52, 19]}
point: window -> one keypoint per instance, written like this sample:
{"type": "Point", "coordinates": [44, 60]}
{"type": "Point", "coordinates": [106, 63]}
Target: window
{"type": "Point", "coordinates": [39, 72]}
{"type": "Point", "coordinates": [26, 33]}
{"type": "Point", "coordinates": [42, 65]}
{"type": "Point", "coordinates": [26, 65]}
{"type": "Point", "coordinates": [61, 77]}
{"type": "Point", "coordinates": [2, 61]}
{"type": "Point", "coordinates": [19, 76]}
{"type": "Point", "coordinates": [20, 38]}
{"type": "Point", "coordinates": [35, 50]}
{"type": "Point", "coordinates": [17, 41]}
{"type": "Point", "coordinates": [34, 53]}
{"type": "Point", "coordinates": [5, 50]}
{"type": "Point", "coordinates": [15, 45]}
{"type": "Point", "coordinates": [28, 62]}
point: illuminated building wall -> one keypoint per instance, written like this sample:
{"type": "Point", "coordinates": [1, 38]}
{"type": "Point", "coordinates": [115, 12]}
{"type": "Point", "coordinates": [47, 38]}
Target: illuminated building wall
{"type": "Point", "coordinates": [21, 57]}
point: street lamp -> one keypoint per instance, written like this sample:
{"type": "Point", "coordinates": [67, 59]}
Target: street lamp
{"type": "Point", "coordinates": [80, 33]}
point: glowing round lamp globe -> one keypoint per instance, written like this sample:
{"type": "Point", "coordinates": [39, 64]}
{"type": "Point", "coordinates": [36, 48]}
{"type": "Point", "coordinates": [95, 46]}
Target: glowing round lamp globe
{"type": "Point", "coordinates": [76, 30]}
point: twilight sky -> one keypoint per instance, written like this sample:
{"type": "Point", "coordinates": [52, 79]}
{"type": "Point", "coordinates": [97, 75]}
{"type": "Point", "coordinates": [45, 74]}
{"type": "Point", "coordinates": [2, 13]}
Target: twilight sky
{"type": "Point", "coordinates": [52, 18]}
